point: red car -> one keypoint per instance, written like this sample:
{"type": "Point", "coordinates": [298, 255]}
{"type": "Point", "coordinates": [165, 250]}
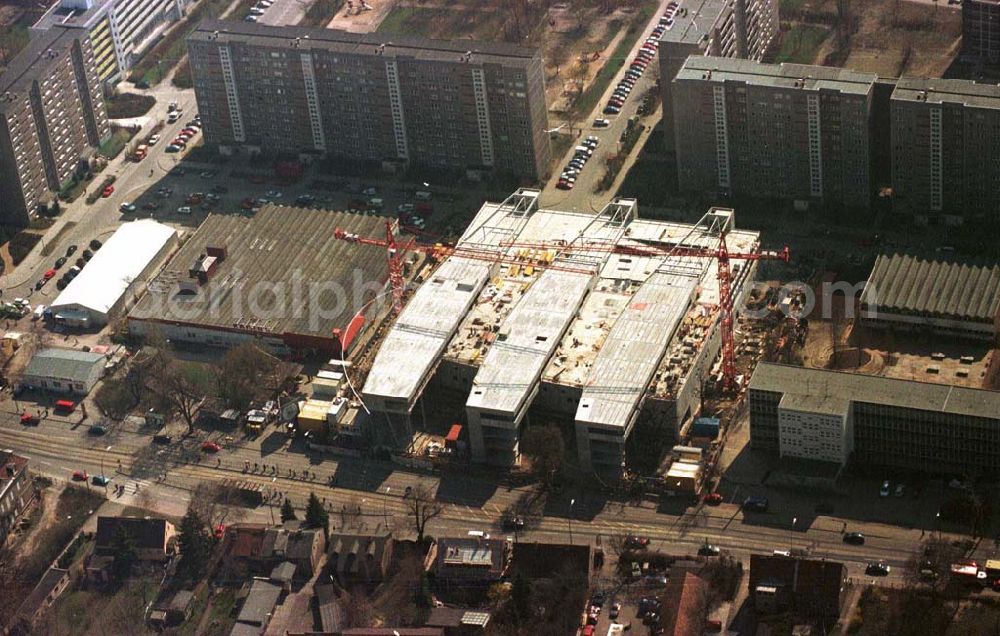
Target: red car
{"type": "Point", "coordinates": [80, 475]}
{"type": "Point", "coordinates": [713, 499]}
{"type": "Point", "coordinates": [210, 447]}
{"type": "Point", "coordinates": [49, 274]}
{"type": "Point", "coordinates": [108, 191]}
{"type": "Point", "coordinates": [29, 419]}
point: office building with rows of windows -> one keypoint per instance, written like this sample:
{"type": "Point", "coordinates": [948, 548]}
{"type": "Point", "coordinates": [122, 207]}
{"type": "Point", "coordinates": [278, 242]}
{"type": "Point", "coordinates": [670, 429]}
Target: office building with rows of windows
{"type": "Point", "coordinates": [981, 30]}
{"type": "Point", "coordinates": [53, 116]}
{"type": "Point", "coordinates": [369, 96]}
{"type": "Point", "coordinates": [874, 421]}
{"type": "Point", "coordinates": [786, 131]}
{"type": "Point", "coordinates": [946, 148]}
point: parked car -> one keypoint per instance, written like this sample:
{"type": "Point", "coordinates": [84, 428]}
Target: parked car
{"type": "Point", "coordinates": [713, 499]}
{"type": "Point", "coordinates": [884, 490]}
{"type": "Point", "coordinates": [210, 447]}
{"type": "Point", "coordinates": [108, 191]}
{"type": "Point", "coordinates": [634, 541]}
{"type": "Point", "coordinates": [854, 538]}
{"type": "Point", "coordinates": [80, 475]}
{"type": "Point", "coordinates": [97, 429]}
{"type": "Point", "coordinates": [127, 207]}
{"type": "Point", "coordinates": [162, 438]}
{"type": "Point", "coordinates": [184, 209]}
{"type": "Point", "coordinates": [708, 550]}
{"type": "Point", "coordinates": [100, 480]}
{"type": "Point", "coordinates": [878, 568]}
{"type": "Point", "coordinates": [30, 419]}
{"type": "Point", "coordinates": [70, 250]}
{"type": "Point", "coordinates": [60, 262]}
{"type": "Point", "coordinates": [601, 123]}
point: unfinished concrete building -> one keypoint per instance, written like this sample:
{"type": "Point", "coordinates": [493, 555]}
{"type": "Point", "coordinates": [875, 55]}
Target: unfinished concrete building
{"type": "Point", "coordinates": [567, 318]}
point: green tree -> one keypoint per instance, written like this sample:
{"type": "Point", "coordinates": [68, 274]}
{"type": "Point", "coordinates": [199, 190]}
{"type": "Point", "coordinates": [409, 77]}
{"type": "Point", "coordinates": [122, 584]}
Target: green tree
{"type": "Point", "coordinates": [195, 544]}
{"type": "Point", "coordinates": [316, 514]}
{"type": "Point", "coordinates": [125, 554]}
{"type": "Point", "coordinates": [287, 511]}
{"type": "Point", "coordinates": [544, 446]}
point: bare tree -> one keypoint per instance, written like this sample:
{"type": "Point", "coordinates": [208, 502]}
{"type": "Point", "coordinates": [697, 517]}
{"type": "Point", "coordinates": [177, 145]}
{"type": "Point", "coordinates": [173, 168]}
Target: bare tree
{"type": "Point", "coordinates": [217, 504]}
{"type": "Point", "coordinates": [422, 508]}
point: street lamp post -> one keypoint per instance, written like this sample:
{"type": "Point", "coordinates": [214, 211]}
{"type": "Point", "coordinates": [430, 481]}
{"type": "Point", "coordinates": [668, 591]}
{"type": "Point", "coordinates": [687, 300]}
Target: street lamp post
{"type": "Point", "coordinates": [569, 520]}
{"type": "Point", "coordinates": [385, 515]}
{"type": "Point", "coordinates": [790, 530]}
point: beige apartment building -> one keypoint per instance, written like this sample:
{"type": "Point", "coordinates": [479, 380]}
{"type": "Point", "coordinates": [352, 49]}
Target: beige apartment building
{"type": "Point", "coordinates": [783, 131]}
{"type": "Point", "coordinates": [946, 148]}
{"type": "Point", "coordinates": [367, 96]}
{"type": "Point", "coordinates": [53, 116]}
{"type": "Point", "coordinates": [744, 29]}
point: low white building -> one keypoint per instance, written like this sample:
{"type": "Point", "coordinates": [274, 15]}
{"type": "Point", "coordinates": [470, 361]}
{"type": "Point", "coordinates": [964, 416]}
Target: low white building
{"type": "Point", "coordinates": [116, 274]}
{"type": "Point", "coordinates": [64, 371]}
{"type": "Point", "coordinates": [817, 427]}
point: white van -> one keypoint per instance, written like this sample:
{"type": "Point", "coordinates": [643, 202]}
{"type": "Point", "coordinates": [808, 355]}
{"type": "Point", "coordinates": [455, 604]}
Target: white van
{"type": "Point", "coordinates": [39, 312]}
{"type": "Point", "coordinates": [423, 195]}
{"type": "Point", "coordinates": [479, 534]}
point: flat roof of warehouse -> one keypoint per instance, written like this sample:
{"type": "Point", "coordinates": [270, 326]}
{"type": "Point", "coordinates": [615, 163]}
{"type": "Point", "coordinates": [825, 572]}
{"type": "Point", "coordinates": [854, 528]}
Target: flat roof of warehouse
{"type": "Point", "coordinates": [872, 389]}
{"type": "Point", "coordinates": [933, 287]}
{"type": "Point", "coordinates": [283, 272]}
{"type": "Point", "coordinates": [417, 340]}
{"type": "Point", "coordinates": [120, 261]}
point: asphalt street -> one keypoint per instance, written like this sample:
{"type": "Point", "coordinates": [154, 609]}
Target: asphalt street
{"type": "Point", "coordinates": [58, 447]}
{"type": "Point", "coordinates": [582, 198]}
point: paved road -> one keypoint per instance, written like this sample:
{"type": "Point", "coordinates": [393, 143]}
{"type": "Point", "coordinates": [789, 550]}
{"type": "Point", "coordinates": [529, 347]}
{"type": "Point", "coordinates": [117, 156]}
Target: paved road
{"type": "Point", "coordinates": [103, 217]}
{"type": "Point", "coordinates": [285, 12]}
{"type": "Point", "coordinates": [582, 197]}
{"type": "Point", "coordinates": [56, 449]}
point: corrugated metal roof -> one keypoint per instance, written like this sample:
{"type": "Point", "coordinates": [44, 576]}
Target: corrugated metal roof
{"type": "Point", "coordinates": [283, 249]}
{"type": "Point", "coordinates": [64, 364]}
{"type": "Point", "coordinates": [938, 288]}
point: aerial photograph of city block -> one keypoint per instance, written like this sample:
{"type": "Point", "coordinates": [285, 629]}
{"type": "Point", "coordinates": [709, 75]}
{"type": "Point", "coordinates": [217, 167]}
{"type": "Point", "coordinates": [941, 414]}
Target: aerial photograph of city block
{"type": "Point", "coordinates": [500, 317]}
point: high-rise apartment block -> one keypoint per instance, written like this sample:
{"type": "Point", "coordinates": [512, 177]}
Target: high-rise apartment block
{"type": "Point", "coordinates": [119, 30]}
{"type": "Point", "coordinates": [981, 30]}
{"type": "Point", "coordinates": [787, 131]}
{"type": "Point", "coordinates": [946, 148]}
{"type": "Point", "coordinates": [744, 29]}
{"type": "Point", "coordinates": [369, 96]}
{"type": "Point", "coordinates": [53, 115]}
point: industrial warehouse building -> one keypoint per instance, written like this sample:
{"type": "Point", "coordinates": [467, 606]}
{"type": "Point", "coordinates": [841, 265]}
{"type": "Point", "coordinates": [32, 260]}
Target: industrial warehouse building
{"type": "Point", "coordinates": [280, 279]}
{"type": "Point", "coordinates": [118, 272]}
{"type": "Point", "coordinates": [878, 422]}
{"type": "Point", "coordinates": [934, 295]}
{"type": "Point", "coordinates": [564, 327]}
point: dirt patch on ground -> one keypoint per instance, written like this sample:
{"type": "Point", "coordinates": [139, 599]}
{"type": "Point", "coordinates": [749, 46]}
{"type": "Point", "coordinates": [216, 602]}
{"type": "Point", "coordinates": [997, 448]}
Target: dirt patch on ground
{"type": "Point", "coordinates": [902, 355]}
{"type": "Point", "coordinates": [887, 37]}
{"type": "Point", "coordinates": [577, 37]}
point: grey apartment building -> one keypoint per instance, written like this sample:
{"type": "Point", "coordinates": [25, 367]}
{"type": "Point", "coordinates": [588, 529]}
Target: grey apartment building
{"type": "Point", "coordinates": [53, 116]}
{"type": "Point", "coordinates": [744, 29]}
{"type": "Point", "coordinates": [981, 30]}
{"type": "Point", "coordinates": [369, 96]}
{"type": "Point", "coordinates": [946, 148]}
{"type": "Point", "coordinates": [876, 421]}
{"type": "Point", "coordinates": [787, 131]}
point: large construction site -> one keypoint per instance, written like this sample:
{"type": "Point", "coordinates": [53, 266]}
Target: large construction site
{"type": "Point", "coordinates": [599, 322]}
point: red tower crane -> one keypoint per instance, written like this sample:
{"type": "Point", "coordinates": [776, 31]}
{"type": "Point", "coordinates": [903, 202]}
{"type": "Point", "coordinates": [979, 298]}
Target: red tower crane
{"type": "Point", "coordinates": [720, 254]}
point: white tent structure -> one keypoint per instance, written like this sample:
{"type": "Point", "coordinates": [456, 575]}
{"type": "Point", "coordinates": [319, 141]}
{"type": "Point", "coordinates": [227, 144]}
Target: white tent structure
{"type": "Point", "coordinates": [116, 273]}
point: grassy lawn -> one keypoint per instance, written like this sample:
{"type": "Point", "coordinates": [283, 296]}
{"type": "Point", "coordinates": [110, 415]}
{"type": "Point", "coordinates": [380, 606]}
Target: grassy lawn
{"type": "Point", "coordinates": [220, 621]}
{"type": "Point", "coordinates": [321, 12]}
{"type": "Point", "coordinates": [125, 105]}
{"type": "Point", "coordinates": [115, 143]}
{"type": "Point", "coordinates": [586, 102]}
{"type": "Point", "coordinates": [801, 43]}
{"type": "Point", "coordinates": [445, 23]}
{"type": "Point", "coordinates": [96, 611]}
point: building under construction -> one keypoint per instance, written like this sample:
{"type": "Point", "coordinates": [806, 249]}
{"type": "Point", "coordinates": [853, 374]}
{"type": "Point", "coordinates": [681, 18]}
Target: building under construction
{"type": "Point", "coordinates": [600, 319]}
